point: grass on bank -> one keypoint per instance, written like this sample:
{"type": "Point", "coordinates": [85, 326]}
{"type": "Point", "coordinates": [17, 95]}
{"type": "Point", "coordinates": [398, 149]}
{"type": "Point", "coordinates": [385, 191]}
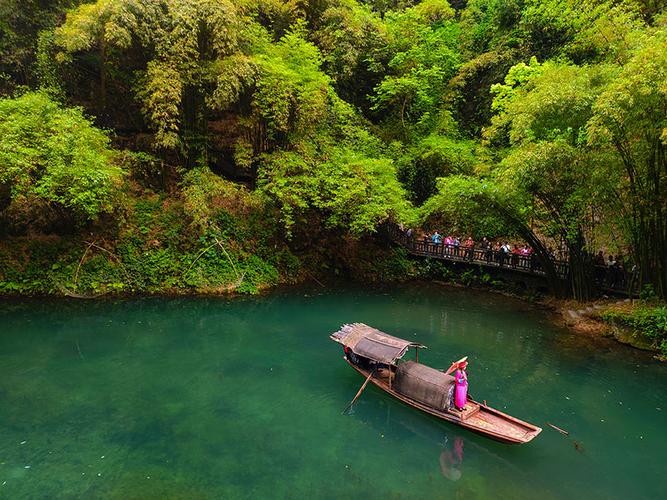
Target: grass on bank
{"type": "Point", "coordinates": [644, 318]}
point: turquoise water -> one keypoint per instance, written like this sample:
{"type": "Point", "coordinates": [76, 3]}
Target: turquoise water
{"type": "Point", "coordinates": [242, 398]}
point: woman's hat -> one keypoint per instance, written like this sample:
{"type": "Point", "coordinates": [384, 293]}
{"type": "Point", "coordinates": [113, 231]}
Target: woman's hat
{"type": "Point", "coordinates": [463, 362]}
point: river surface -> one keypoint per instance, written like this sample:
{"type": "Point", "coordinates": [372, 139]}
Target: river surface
{"type": "Point", "coordinates": [242, 398]}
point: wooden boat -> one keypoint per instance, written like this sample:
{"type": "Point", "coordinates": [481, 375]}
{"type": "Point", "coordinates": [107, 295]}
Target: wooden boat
{"type": "Point", "coordinates": [378, 357]}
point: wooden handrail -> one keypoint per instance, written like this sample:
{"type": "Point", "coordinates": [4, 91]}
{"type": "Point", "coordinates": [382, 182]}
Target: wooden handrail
{"type": "Point", "coordinates": [610, 279]}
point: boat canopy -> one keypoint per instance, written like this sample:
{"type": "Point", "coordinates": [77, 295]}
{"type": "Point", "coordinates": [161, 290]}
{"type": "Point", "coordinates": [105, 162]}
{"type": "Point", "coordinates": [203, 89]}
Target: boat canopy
{"type": "Point", "coordinates": [424, 384]}
{"type": "Point", "coordinates": [371, 343]}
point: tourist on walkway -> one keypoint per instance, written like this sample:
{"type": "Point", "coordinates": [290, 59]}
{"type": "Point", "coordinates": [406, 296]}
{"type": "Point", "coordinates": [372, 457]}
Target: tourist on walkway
{"type": "Point", "coordinates": [497, 253]}
{"type": "Point", "coordinates": [551, 253]}
{"type": "Point", "coordinates": [469, 245]}
{"type": "Point", "coordinates": [599, 259]}
{"type": "Point", "coordinates": [504, 253]}
{"type": "Point", "coordinates": [488, 249]}
{"type": "Point", "coordinates": [449, 242]}
{"type": "Point", "coordinates": [600, 267]}
{"type": "Point", "coordinates": [515, 255]}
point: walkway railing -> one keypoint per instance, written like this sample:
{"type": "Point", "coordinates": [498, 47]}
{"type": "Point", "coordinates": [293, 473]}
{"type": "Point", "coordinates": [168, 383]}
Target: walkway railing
{"type": "Point", "coordinates": [612, 279]}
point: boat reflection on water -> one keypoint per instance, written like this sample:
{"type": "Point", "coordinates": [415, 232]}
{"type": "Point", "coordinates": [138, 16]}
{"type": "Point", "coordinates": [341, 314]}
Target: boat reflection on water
{"type": "Point", "coordinates": [450, 443]}
{"type": "Point", "coordinates": [449, 446]}
{"type": "Point", "coordinates": [451, 458]}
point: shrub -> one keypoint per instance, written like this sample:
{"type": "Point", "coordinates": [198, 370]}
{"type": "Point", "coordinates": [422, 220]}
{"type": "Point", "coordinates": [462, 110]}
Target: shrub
{"type": "Point", "coordinates": [209, 199]}
{"type": "Point", "coordinates": [54, 157]}
{"type": "Point", "coordinates": [651, 322]}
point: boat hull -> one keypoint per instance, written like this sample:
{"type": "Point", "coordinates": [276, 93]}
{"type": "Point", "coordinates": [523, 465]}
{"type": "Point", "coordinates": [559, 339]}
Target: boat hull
{"type": "Point", "coordinates": [487, 421]}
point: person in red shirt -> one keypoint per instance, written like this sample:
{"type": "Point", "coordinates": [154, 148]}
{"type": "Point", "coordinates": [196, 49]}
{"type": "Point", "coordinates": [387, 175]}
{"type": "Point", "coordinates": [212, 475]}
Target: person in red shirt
{"type": "Point", "coordinates": [515, 255]}
{"type": "Point", "coordinates": [469, 245]}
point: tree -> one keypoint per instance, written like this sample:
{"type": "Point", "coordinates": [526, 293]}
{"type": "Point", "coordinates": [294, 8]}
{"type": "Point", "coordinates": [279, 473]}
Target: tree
{"type": "Point", "coordinates": [353, 42]}
{"type": "Point", "coordinates": [630, 119]}
{"type": "Point", "coordinates": [436, 155]}
{"type": "Point", "coordinates": [337, 173]}
{"type": "Point", "coordinates": [544, 110]}
{"type": "Point", "coordinates": [170, 45]}
{"type": "Point", "coordinates": [53, 158]}
{"type": "Point", "coordinates": [487, 207]}
{"type": "Point", "coordinates": [423, 43]}
{"type": "Point", "coordinates": [20, 23]}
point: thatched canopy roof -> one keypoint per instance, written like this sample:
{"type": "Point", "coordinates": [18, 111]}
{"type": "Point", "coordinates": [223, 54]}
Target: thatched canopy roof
{"type": "Point", "coordinates": [371, 343]}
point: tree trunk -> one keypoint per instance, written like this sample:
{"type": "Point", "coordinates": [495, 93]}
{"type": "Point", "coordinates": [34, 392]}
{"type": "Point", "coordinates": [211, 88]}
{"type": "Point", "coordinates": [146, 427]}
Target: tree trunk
{"type": "Point", "coordinates": [103, 73]}
{"type": "Point", "coordinates": [554, 279]}
{"type": "Point", "coordinates": [648, 228]}
{"type": "Point", "coordinates": [580, 276]}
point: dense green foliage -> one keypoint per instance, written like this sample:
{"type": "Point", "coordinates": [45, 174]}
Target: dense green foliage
{"type": "Point", "coordinates": [21, 21]}
{"type": "Point", "coordinates": [277, 133]}
{"type": "Point", "coordinates": [646, 320]}
{"type": "Point", "coordinates": [53, 158]}
{"type": "Point", "coordinates": [211, 241]}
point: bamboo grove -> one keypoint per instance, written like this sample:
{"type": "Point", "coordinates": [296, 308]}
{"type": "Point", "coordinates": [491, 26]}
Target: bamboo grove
{"type": "Point", "coordinates": [271, 126]}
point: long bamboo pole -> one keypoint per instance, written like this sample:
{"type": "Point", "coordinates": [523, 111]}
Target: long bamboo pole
{"type": "Point", "coordinates": [370, 375]}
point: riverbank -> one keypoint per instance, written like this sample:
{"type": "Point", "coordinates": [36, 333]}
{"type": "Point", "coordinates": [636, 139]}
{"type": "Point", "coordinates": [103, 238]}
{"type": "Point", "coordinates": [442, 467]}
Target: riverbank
{"type": "Point", "coordinates": [638, 323]}
{"type": "Point", "coordinates": [100, 266]}
{"type": "Point", "coordinates": [157, 252]}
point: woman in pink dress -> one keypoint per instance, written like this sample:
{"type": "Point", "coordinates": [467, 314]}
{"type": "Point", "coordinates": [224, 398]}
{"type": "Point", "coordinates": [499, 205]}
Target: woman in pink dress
{"type": "Point", "coordinates": [461, 381]}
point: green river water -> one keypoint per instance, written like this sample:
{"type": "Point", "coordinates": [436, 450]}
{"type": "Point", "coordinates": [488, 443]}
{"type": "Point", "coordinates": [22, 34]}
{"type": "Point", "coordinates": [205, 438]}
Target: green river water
{"type": "Point", "coordinates": [242, 397]}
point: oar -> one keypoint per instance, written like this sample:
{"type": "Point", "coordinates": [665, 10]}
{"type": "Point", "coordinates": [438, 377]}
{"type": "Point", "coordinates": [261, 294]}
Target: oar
{"type": "Point", "coordinates": [360, 390]}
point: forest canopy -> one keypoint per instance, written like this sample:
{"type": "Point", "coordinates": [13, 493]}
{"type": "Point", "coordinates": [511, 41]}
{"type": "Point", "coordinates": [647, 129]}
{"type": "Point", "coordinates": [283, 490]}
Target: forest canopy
{"type": "Point", "coordinates": [544, 120]}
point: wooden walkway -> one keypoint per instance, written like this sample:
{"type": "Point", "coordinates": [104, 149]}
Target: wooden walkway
{"type": "Point", "coordinates": [500, 260]}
